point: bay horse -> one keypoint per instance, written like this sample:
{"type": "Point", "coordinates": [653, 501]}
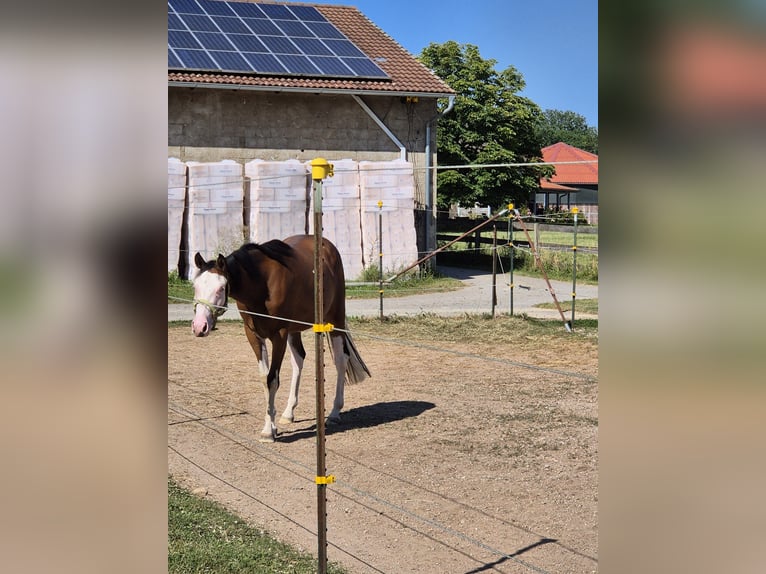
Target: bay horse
{"type": "Point", "coordinates": [273, 285]}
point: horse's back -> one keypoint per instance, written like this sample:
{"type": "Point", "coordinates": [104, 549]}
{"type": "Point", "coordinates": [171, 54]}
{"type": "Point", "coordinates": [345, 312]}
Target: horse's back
{"type": "Point", "coordinates": [333, 275]}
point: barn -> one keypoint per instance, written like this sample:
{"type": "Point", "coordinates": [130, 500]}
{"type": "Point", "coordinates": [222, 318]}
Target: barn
{"type": "Point", "coordinates": [279, 81]}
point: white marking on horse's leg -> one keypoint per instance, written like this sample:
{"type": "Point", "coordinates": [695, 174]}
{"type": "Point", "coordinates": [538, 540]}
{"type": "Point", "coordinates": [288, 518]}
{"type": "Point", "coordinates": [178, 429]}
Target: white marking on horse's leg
{"type": "Point", "coordinates": [341, 359]}
{"type": "Point", "coordinates": [296, 359]}
{"type": "Point", "coordinates": [269, 432]}
{"type": "Point", "coordinates": [263, 364]}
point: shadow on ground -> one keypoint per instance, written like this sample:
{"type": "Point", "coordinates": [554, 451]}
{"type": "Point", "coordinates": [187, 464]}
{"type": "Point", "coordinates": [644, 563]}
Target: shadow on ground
{"type": "Point", "coordinates": [362, 417]}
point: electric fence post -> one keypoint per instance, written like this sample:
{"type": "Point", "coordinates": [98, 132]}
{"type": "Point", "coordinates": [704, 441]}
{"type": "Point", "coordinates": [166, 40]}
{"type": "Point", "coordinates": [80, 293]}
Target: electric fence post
{"type": "Point", "coordinates": [380, 256]}
{"type": "Point", "coordinates": [575, 210]}
{"type": "Point", "coordinates": [510, 266]}
{"type": "Point", "coordinates": [320, 170]}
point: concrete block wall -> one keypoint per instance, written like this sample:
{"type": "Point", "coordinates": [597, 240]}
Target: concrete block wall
{"type": "Point", "coordinates": [210, 125]}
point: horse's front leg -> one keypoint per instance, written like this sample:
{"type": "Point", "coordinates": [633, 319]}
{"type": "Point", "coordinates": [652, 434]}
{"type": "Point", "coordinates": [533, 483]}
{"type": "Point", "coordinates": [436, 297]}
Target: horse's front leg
{"type": "Point", "coordinates": [297, 355]}
{"type": "Point", "coordinates": [278, 345]}
{"type": "Point", "coordinates": [258, 344]}
{"type": "Point", "coordinates": [340, 366]}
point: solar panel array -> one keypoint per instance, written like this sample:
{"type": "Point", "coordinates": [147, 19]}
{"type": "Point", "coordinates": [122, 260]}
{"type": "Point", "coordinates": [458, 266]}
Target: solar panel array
{"type": "Point", "coordinates": [274, 39]}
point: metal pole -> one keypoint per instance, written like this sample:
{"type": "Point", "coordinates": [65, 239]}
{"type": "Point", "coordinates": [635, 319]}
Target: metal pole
{"type": "Point", "coordinates": [319, 358]}
{"type": "Point", "coordinates": [574, 265]}
{"type": "Point", "coordinates": [443, 247]}
{"type": "Point", "coordinates": [380, 256]}
{"type": "Point", "coordinates": [494, 268]}
{"type": "Point", "coordinates": [510, 267]}
{"type": "Point", "coordinates": [539, 263]}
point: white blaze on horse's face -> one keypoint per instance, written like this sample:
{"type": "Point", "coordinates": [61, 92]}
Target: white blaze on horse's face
{"type": "Point", "coordinates": [209, 298]}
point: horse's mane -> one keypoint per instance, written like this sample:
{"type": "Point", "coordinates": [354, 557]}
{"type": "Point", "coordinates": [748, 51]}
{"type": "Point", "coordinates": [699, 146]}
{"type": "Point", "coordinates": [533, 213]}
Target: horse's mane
{"type": "Point", "coordinates": [275, 249]}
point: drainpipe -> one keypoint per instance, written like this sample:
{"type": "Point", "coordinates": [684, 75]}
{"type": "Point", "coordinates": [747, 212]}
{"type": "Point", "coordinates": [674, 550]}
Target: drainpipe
{"type": "Point", "coordinates": [431, 240]}
{"type": "Point", "coordinates": [381, 125]}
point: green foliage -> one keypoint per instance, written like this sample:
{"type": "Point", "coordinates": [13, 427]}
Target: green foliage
{"type": "Point", "coordinates": [568, 127]}
{"type": "Point", "coordinates": [204, 537]}
{"type": "Point", "coordinates": [489, 124]}
{"type": "Point", "coordinates": [179, 289]}
{"type": "Point", "coordinates": [408, 284]}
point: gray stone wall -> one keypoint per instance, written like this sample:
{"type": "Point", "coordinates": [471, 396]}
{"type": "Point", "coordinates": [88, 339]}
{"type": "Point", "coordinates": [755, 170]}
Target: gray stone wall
{"type": "Point", "coordinates": [207, 124]}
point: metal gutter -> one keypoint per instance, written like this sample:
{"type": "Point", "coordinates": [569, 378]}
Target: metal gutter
{"type": "Point", "coordinates": [303, 90]}
{"type": "Point", "coordinates": [431, 237]}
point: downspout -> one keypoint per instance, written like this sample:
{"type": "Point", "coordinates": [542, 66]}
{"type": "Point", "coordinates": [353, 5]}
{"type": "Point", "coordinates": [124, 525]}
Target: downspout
{"type": "Point", "coordinates": [381, 125]}
{"type": "Point", "coordinates": [431, 240]}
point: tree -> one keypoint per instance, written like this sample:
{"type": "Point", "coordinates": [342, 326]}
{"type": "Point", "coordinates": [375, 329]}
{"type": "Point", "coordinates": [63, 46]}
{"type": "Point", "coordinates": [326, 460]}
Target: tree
{"type": "Point", "coordinates": [568, 127]}
{"type": "Point", "coordinates": [489, 124]}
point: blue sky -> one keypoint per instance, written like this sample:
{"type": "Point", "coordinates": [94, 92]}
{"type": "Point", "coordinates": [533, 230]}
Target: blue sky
{"type": "Point", "coordinates": [553, 43]}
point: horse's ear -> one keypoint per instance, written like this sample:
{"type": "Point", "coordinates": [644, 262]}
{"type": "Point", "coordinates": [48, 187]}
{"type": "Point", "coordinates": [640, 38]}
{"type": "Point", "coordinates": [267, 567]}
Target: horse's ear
{"type": "Point", "coordinates": [221, 262]}
{"type": "Point", "coordinates": [199, 260]}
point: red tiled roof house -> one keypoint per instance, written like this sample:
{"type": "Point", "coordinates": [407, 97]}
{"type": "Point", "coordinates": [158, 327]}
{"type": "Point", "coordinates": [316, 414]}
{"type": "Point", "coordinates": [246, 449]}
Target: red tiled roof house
{"type": "Point", "coordinates": [573, 184]}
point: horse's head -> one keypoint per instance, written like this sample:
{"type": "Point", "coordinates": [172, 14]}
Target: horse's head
{"type": "Point", "coordinates": [211, 291]}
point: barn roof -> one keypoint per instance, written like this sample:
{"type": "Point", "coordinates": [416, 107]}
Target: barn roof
{"type": "Point", "coordinates": [570, 174]}
{"type": "Point", "coordinates": [407, 75]}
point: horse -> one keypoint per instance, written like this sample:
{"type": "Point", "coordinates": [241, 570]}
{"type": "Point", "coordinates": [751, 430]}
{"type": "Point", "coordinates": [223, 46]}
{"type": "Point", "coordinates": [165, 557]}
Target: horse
{"type": "Point", "coordinates": [273, 286]}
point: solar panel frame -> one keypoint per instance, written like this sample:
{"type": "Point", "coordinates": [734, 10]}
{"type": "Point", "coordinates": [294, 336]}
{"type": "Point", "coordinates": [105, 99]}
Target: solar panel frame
{"type": "Point", "coordinates": [293, 29]}
{"type": "Point", "coordinates": [245, 37]}
{"type": "Point", "coordinates": [247, 10]}
{"type": "Point", "coordinates": [247, 43]}
{"type": "Point", "coordinates": [277, 12]}
{"type": "Point", "coordinates": [263, 27]}
{"type": "Point", "coordinates": [312, 47]}
{"type": "Point", "coordinates": [216, 8]}
{"type": "Point", "coordinates": [215, 41]}
{"type": "Point", "coordinates": [175, 22]}
{"type": "Point", "coordinates": [307, 14]}
{"type": "Point", "coordinates": [197, 23]}
{"type": "Point", "coordinates": [173, 61]}
{"type": "Point", "coordinates": [266, 63]}
{"type": "Point", "coordinates": [185, 7]}
{"type": "Point", "coordinates": [298, 63]}
{"type": "Point", "coordinates": [196, 59]}
{"type": "Point", "coordinates": [230, 25]}
{"type": "Point", "coordinates": [182, 39]}
{"type": "Point", "coordinates": [230, 61]}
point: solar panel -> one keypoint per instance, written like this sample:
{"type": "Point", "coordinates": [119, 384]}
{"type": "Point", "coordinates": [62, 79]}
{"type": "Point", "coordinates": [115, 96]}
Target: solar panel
{"type": "Point", "coordinates": [245, 37]}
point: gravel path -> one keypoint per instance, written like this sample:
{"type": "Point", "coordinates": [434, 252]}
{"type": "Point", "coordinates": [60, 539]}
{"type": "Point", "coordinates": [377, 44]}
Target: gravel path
{"type": "Point", "coordinates": [474, 297]}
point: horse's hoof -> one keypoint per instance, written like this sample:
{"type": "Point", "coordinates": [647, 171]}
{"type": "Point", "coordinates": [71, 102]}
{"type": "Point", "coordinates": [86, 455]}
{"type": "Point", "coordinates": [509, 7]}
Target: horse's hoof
{"type": "Point", "coordinates": [285, 421]}
{"type": "Point", "coordinates": [267, 438]}
{"type": "Point", "coordinates": [331, 421]}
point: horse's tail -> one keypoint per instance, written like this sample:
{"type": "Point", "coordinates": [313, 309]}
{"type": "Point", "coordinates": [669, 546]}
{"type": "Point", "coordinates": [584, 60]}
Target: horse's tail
{"type": "Point", "coordinates": [356, 370]}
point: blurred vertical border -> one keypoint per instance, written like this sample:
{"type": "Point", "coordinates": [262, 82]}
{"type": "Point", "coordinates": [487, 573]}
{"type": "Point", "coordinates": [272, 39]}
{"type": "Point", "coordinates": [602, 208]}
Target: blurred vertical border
{"type": "Point", "coordinates": [83, 153]}
{"type": "Point", "coordinates": [683, 197]}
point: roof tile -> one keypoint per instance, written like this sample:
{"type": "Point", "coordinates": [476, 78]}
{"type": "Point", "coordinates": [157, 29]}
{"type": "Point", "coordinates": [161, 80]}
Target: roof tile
{"type": "Point", "coordinates": [570, 174]}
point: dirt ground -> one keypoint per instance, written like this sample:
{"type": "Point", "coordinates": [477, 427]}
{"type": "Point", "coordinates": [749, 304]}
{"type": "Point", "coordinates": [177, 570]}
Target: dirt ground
{"type": "Point", "coordinates": [445, 462]}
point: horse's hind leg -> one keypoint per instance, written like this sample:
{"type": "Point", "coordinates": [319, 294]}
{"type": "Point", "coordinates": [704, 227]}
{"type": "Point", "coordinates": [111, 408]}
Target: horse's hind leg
{"type": "Point", "coordinates": [340, 365]}
{"type": "Point", "coordinates": [297, 355]}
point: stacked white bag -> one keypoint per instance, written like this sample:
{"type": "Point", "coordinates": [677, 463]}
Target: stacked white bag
{"type": "Point", "coordinates": [176, 204]}
{"type": "Point", "coordinates": [216, 196]}
{"type": "Point", "coordinates": [393, 184]}
{"type": "Point", "coordinates": [341, 215]}
{"type": "Point", "coordinates": [276, 205]}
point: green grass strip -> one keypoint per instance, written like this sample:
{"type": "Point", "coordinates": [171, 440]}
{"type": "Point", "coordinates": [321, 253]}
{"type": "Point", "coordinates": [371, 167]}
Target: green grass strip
{"type": "Point", "coordinates": [205, 537]}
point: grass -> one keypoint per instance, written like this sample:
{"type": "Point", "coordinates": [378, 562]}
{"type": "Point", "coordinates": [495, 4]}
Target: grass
{"type": "Point", "coordinates": [431, 328]}
{"type": "Point", "coordinates": [205, 537]}
{"type": "Point", "coordinates": [557, 264]}
{"type": "Point", "coordinates": [181, 290]}
{"type": "Point", "coordinates": [581, 305]}
{"type": "Point", "coordinates": [408, 285]}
